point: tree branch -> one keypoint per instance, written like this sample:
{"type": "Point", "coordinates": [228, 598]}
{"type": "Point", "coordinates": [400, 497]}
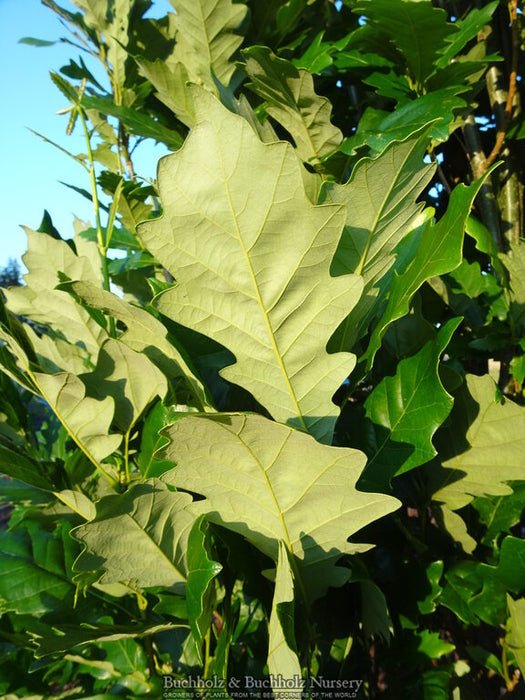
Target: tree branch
{"type": "Point", "coordinates": [502, 130]}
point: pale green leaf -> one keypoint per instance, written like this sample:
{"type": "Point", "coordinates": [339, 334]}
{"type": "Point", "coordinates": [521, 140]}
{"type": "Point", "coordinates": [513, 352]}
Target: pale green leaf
{"type": "Point", "coordinates": [57, 354]}
{"type": "Point", "coordinates": [282, 653]}
{"type": "Point", "coordinates": [292, 102]}
{"type": "Point", "coordinates": [436, 251]}
{"type": "Point", "coordinates": [38, 300]}
{"type": "Point", "coordinates": [497, 444]}
{"type": "Point", "coordinates": [14, 361]}
{"type": "Point", "coordinates": [144, 334]}
{"type": "Point", "coordinates": [139, 538]}
{"type": "Point", "coordinates": [169, 82]}
{"type": "Point", "coordinates": [227, 198]}
{"type": "Point", "coordinates": [406, 410]}
{"type": "Point", "coordinates": [269, 483]}
{"type": "Point", "coordinates": [456, 528]}
{"type": "Point", "coordinates": [129, 377]}
{"type": "Point", "coordinates": [207, 37]}
{"type": "Point", "coordinates": [112, 21]}
{"type": "Point", "coordinates": [86, 420]}
{"type": "Point", "coordinates": [77, 502]}
{"type": "Point", "coordinates": [515, 637]}
{"type": "Point", "coordinates": [380, 200]}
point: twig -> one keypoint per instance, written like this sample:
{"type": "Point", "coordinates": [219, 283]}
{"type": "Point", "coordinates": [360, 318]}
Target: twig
{"type": "Point", "coordinates": [500, 136]}
{"type": "Point", "coordinates": [486, 199]}
{"type": "Point", "coordinates": [440, 173]}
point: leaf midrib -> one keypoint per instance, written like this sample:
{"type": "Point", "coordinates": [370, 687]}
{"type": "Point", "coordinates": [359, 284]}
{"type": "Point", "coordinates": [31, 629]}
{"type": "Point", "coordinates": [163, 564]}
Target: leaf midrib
{"type": "Point", "coordinates": [256, 286]}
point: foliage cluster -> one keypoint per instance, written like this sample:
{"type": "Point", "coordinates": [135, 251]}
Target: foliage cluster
{"type": "Point", "coordinates": [265, 415]}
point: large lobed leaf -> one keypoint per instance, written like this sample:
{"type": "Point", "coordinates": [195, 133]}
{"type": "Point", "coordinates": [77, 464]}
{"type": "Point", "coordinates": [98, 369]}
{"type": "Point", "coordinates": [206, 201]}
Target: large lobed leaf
{"type": "Point", "coordinates": [292, 102]}
{"type": "Point", "coordinates": [129, 377]}
{"type": "Point", "coordinates": [494, 454]}
{"type": "Point", "coordinates": [207, 37]}
{"type": "Point", "coordinates": [139, 538]}
{"type": "Point", "coordinates": [417, 29]}
{"type": "Point", "coordinates": [86, 420]}
{"type": "Point", "coordinates": [251, 256]}
{"type": "Point", "coordinates": [144, 334]}
{"type": "Point", "coordinates": [380, 200]}
{"type": "Point", "coordinates": [47, 258]}
{"type": "Point", "coordinates": [269, 483]}
{"type": "Point", "coordinates": [435, 250]}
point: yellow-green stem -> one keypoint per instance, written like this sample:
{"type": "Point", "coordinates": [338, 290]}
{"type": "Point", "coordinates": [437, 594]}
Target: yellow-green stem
{"type": "Point", "coordinates": [126, 455]}
{"type": "Point", "coordinates": [207, 658]}
{"type": "Point", "coordinates": [505, 667]}
{"type": "Point", "coordinates": [101, 239]}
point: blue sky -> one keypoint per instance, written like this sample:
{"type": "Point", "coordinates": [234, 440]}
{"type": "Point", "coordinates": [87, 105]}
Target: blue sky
{"type": "Point", "coordinates": [31, 170]}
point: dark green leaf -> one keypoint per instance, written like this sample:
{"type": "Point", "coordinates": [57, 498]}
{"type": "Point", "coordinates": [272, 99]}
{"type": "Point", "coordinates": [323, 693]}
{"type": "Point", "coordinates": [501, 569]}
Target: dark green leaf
{"type": "Point", "coordinates": [405, 411]}
{"type": "Point", "coordinates": [201, 572]}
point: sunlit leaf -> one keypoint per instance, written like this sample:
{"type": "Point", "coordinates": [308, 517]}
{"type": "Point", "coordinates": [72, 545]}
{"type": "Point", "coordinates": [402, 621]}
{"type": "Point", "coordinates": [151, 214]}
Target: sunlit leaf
{"type": "Point", "coordinates": [282, 653]}
{"type": "Point", "coordinates": [226, 198]}
{"type": "Point", "coordinates": [292, 102]}
{"type": "Point", "coordinates": [207, 37]}
{"type": "Point", "coordinates": [494, 454]}
{"type": "Point", "coordinates": [47, 259]}
{"type": "Point", "coordinates": [129, 377]}
{"type": "Point", "coordinates": [139, 538]}
{"type": "Point", "coordinates": [380, 200]}
{"type": "Point", "coordinates": [269, 483]}
{"type": "Point", "coordinates": [144, 334]}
